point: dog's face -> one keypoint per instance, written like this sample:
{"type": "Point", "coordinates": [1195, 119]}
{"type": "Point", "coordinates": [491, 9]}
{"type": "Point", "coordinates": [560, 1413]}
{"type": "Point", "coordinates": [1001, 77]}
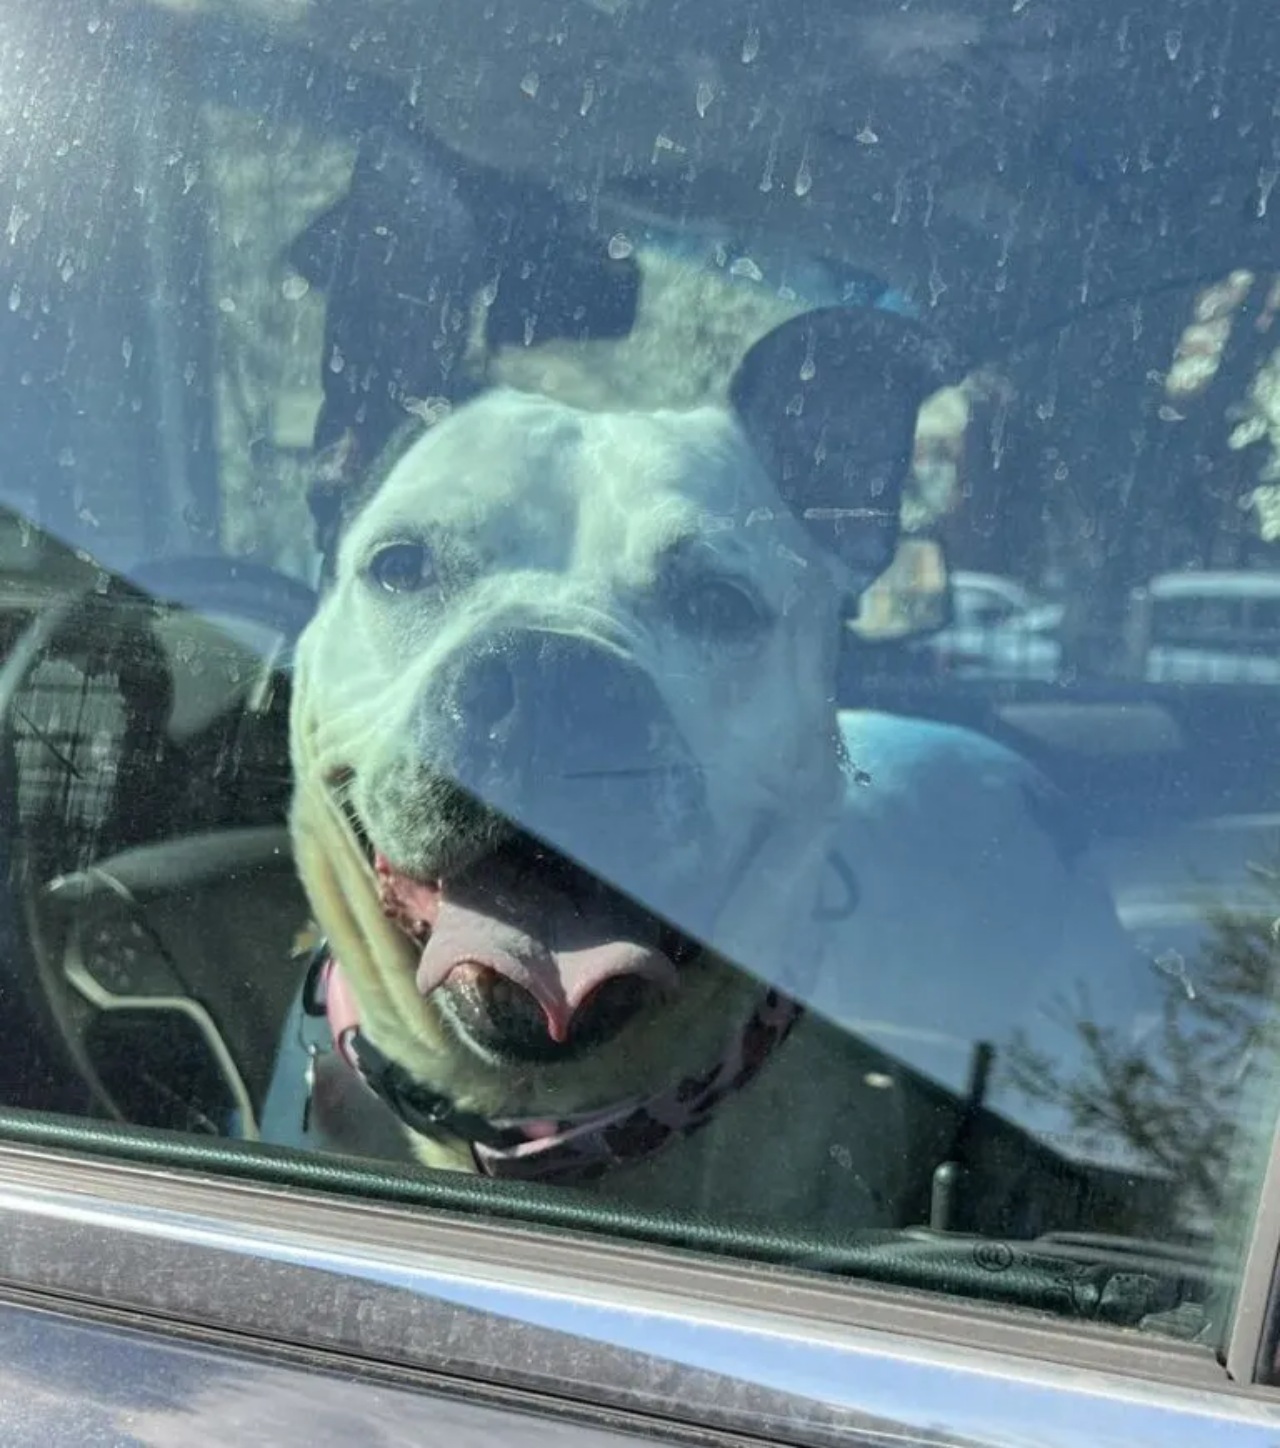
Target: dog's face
{"type": "Point", "coordinates": [570, 669]}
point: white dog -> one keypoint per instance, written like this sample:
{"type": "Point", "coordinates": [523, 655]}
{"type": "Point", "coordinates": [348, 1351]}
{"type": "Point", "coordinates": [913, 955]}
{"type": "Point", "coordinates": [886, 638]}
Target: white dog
{"type": "Point", "coordinates": [609, 883]}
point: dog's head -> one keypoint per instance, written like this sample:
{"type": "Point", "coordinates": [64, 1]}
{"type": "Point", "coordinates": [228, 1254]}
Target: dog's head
{"type": "Point", "coordinates": [569, 671]}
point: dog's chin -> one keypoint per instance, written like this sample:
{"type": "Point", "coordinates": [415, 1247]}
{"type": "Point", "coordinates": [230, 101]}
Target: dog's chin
{"type": "Point", "coordinates": [527, 957]}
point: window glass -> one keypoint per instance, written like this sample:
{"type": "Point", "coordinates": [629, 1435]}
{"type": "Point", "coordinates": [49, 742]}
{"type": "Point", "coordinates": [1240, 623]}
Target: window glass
{"type": "Point", "coordinates": [604, 601]}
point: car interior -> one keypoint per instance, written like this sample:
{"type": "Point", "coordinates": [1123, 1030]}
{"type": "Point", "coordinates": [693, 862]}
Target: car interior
{"type": "Point", "coordinates": [155, 932]}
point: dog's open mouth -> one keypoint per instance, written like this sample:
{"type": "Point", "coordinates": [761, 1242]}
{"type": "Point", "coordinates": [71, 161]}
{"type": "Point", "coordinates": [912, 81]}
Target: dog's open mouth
{"type": "Point", "coordinates": [531, 955]}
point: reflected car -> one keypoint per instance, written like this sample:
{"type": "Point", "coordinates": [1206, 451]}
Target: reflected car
{"type": "Point", "coordinates": [1000, 628]}
{"type": "Point", "coordinates": [1208, 627]}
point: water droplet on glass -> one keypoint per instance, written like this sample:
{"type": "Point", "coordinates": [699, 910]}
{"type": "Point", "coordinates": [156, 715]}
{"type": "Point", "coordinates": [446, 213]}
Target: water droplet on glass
{"type": "Point", "coordinates": [804, 177]}
{"type": "Point", "coordinates": [294, 287]}
{"type": "Point", "coordinates": [808, 369]}
{"type": "Point", "coordinates": [743, 266]}
{"type": "Point", "coordinates": [588, 97]}
{"type": "Point", "coordinates": [226, 305]}
{"type": "Point", "coordinates": [126, 350]}
{"type": "Point", "coordinates": [620, 246]}
{"type": "Point", "coordinates": [529, 85]}
{"type": "Point", "coordinates": [93, 24]}
{"type": "Point", "coordinates": [15, 297]}
{"type": "Point", "coordinates": [750, 45]}
{"type": "Point", "coordinates": [867, 137]}
{"type": "Point", "coordinates": [766, 180]}
{"type": "Point", "coordinates": [1172, 43]}
{"type": "Point", "coordinates": [705, 95]}
{"type": "Point", "coordinates": [336, 361]}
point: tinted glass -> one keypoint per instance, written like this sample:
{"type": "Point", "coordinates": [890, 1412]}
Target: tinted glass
{"type": "Point", "coordinates": [593, 601]}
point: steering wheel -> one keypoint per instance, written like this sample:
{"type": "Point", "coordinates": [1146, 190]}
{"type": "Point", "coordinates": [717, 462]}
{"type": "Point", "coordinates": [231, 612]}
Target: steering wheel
{"type": "Point", "coordinates": [55, 1001]}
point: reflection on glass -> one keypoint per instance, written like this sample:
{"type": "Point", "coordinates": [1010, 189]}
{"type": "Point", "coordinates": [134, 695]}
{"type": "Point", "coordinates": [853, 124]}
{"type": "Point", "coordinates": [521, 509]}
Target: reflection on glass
{"type": "Point", "coordinates": [662, 637]}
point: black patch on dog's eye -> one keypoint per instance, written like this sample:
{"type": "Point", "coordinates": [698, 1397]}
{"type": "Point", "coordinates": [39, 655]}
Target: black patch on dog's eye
{"type": "Point", "coordinates": [402, 568]}
{"type": "Point", "coordinates": [720, 609]}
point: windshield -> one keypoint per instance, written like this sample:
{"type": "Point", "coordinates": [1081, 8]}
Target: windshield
{"type": "Point", "coordinates": [595, 601]}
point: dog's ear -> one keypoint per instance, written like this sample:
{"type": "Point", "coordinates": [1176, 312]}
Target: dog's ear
{"type": "Point", "coordinates": [400, 261]}
{"type": "Point", "coordinates": [829, 400]}
{"type": "Point", "coordinates": [421, 238]}
{"type": "Point", "coordinates": [555, 278]}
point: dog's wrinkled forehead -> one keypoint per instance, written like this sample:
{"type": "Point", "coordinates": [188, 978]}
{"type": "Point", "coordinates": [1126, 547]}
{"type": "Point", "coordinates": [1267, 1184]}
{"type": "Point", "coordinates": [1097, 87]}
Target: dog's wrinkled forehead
{"type": "Point", "coordinates": [534, 484]}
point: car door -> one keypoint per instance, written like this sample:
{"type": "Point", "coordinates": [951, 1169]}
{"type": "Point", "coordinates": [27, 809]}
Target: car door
{"type": "Point", "coordinates": [236, 231]}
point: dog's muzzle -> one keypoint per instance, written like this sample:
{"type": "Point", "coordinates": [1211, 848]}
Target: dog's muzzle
{"type": "Point", "coordinates": [548, 793]}
{"type": "Point", "coordinates": [529, 714]}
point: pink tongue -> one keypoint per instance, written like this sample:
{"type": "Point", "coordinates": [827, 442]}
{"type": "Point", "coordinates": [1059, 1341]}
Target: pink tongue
{"type": "Point", "coordinates": [558, 945]}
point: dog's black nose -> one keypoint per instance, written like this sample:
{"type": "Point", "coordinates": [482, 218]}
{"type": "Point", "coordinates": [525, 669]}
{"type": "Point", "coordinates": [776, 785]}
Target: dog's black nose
{"type": "Point", "coordinates": [573, 743]}
{"type": "Point", "coordinates": [485, 691]}
{"type": "Point", "coordinates": [534, 702]}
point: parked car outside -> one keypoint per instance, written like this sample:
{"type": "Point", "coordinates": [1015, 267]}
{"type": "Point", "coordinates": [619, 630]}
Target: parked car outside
{"type": "Point", "coordinates": [1000, 628]}
{"type": "Point", "coordinates": [1208, 627]}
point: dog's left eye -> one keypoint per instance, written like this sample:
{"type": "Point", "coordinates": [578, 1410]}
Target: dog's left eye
{"type": "Point", "coordinates": [721, 609]}
{"type": "Point", "coordinates": [402, 567]}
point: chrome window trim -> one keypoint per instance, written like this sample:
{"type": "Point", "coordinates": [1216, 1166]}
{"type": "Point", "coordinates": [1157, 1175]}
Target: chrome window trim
{"type": "Point", "coordinates": [1246, 1341]}
{"type": "Point", "coordinates": [742, 1348]}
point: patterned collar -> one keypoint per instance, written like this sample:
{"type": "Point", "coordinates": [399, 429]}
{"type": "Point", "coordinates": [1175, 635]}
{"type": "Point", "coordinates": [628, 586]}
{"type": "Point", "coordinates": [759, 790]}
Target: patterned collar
{"type": "Point", "coordinates": [575, 1148]}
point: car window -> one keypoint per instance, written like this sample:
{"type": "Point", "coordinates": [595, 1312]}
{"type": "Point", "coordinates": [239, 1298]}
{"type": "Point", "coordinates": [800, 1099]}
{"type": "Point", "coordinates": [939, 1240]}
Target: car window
{"type": "Point", "coordinates": [1206, 617]}
{"type": "Point", "coordinates": [987, 608]}
{"type": "Point", "coordinates": [1264, 619]}
{"type": "Point", "coordinates": [489, 680]}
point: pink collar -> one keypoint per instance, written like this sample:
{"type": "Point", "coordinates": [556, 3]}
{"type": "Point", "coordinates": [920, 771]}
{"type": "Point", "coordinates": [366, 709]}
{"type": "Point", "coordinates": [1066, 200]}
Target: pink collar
{"type": "Point", "coordinates": [576, 1148]}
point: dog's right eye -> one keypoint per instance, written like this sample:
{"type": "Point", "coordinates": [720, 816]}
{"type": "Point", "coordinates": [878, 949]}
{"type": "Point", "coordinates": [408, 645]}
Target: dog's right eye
{"type": "Point", "coordinates": [402, 567]}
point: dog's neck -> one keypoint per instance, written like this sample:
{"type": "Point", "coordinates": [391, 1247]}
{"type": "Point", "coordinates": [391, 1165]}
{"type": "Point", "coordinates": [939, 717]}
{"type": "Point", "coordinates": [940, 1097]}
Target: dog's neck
{"type": "Point", "coordinates": [576, 1148]}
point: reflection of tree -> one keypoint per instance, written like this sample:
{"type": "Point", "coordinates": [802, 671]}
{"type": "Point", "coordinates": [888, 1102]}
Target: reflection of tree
{"type": "Point", "coordinates": [1178, 1097]}
{"type": "Point", "coordinates": [1129, 441]}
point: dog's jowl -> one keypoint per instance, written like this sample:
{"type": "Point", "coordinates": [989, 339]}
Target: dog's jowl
{"type": "Point", "coordinates": [577, 812]}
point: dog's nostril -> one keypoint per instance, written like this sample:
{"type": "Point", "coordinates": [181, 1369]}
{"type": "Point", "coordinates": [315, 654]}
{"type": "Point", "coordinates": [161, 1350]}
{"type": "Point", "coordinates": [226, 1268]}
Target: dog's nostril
{"type": "Point", "coordinates": [609, 1008]}
{"type": "Point", "coordinates": [501, 1013]}
{"type": "Point", "coordinates": [486, 693]}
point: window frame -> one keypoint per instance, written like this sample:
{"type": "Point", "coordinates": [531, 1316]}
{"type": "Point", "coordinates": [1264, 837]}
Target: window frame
{"type": "Point", "coordinates": [599, 1324]}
